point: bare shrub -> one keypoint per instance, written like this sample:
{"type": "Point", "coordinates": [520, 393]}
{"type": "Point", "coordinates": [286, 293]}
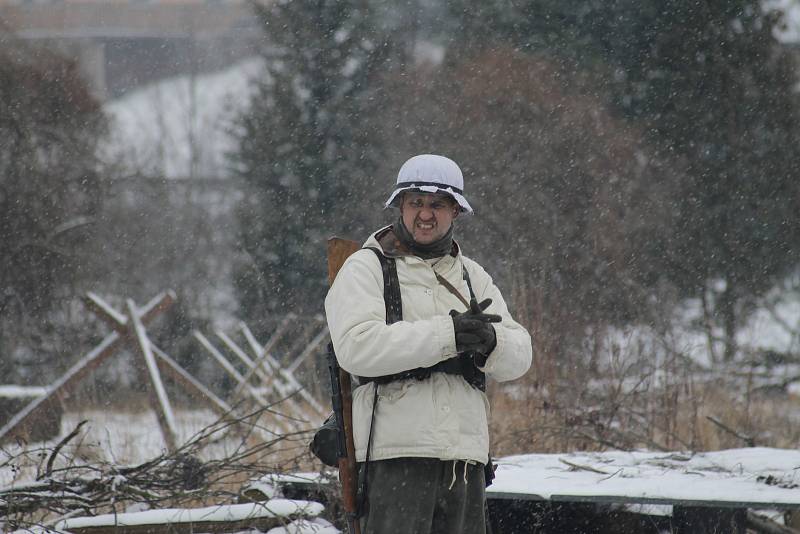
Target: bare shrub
{"type": "Point", "coordinates": [640, 392]}
{"type": "Point", "coordinates": [74, 477]}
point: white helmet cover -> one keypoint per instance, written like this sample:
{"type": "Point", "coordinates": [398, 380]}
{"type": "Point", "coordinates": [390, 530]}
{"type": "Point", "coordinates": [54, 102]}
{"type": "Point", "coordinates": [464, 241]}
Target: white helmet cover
{"type": "Point", "coordinates": [431, 174]}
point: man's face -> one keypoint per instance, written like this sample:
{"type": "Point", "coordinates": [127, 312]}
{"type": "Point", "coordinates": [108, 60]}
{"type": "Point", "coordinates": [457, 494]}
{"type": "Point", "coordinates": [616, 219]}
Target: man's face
{"type": "Point", "coordinates": [428, 216]}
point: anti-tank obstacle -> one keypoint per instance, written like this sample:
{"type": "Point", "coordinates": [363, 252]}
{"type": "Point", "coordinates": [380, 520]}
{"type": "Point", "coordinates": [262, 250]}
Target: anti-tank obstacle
{"type": "Point", "coordinates": [265, 381]}
{"type": "Point", "coordinates": [286, 404]}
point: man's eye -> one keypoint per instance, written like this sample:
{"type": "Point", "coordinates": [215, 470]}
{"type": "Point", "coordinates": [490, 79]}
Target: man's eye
{"type": "Point", "coordinates": [438, 205]}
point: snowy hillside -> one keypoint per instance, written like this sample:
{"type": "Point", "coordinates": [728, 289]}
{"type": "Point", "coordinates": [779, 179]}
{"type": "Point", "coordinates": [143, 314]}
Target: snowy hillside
{"type": "Point", "coordinates": [156, 130]}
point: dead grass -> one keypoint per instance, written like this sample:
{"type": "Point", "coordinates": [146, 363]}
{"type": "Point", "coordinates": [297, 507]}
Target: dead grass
{"type": "Point", "coordinates": [595, 388]}
{"type": "Point", "coordinates": [568, 415]}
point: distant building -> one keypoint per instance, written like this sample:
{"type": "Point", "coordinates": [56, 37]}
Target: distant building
{"type": "Point", "coordinates": [123, 44]}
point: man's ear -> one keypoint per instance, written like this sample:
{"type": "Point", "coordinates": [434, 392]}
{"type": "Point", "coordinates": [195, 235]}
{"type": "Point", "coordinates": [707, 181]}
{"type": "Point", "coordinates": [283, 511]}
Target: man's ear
{"type": "Point", "coordinates": [456, 211]}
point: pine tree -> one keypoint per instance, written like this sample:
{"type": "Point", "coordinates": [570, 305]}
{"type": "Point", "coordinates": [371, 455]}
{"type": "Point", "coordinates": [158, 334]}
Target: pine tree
{"type": "Point", "coordinates": [304, 146]}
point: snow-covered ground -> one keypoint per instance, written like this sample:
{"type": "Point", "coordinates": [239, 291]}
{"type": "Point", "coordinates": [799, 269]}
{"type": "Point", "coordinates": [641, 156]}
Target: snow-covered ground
{"type": "Point", "coordinates": [160, 129]}
{"type": "Point", "coordinates": [758, 476]}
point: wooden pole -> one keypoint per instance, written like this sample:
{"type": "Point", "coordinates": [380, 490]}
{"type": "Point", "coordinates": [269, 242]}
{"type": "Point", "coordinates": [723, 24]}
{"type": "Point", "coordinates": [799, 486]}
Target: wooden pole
{"type": "Point", "coordinates": [263, 358]}
{"type": "Point", "coordinates": [283, 423]}
{"type": "Point", "coordinates": [285, 391]}
{"type": "Point", "coordinates": [189, 383]}
{"type": "Point", "coordinates": [158, 394]}
{"type": "Point", "coordinates": [279, 376]}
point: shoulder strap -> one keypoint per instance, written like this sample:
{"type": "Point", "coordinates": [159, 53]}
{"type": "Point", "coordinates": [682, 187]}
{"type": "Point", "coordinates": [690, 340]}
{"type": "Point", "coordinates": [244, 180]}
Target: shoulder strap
{"type": "Point", "coordinates": [465, 275]}
{"type": "Point", "coordinates": [391, 287]}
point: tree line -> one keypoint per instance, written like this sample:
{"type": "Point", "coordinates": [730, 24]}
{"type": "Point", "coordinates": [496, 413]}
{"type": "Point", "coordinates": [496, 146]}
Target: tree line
{"type": "Point", "coordinates": [621, 156]}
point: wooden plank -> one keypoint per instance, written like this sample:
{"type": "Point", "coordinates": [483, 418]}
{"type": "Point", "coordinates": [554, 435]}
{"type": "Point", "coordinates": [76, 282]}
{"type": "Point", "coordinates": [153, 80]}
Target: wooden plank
{"type": "Point", "coordinates": [273, 339]}
{"type": "Point", "coordinates": [216, 518]}
{"type": "Point", "coordinates": [285, 391]}
{"type": "Point", "coordinates": [625, 499]}
{"type": "Point", "coordinates": [311, 347]}
{"type": "Point", "coordinates": [261, 354]}
{"type": "Point", "coordinates": [263, 358]}
{"type": "Point", "coordinates": [158, 394]}
{"type": "Point", "coordinates": [16, 426]}
{"type": "Point", "coordinates": [105, 311]}
{"type": "Point", "coordinates": [222, 360]}
{"type": "Point", "coordinates": [595, 499]}
{"type": "Point", "coordinates": [157, 304]}
{"type": "Point", "coordinates": [237, 350]}
{"type": "Point", "coordinates": [262, 524]}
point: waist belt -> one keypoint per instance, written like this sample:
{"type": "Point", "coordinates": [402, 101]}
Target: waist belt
{"type": "Point", "coordinates": [462, 365]}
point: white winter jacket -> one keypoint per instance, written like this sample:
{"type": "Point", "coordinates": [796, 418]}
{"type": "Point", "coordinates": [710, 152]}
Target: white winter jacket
{"type": "Point", "coordinates": [439, 417]}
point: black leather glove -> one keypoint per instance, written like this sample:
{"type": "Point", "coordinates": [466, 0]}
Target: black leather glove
{"type": "Point", "coordinates": [474, 330]}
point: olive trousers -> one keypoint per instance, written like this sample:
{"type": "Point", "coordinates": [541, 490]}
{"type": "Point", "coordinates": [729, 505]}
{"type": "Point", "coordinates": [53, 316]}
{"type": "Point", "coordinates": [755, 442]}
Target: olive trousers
{"type": "Point", "coordinates": [424, 496]}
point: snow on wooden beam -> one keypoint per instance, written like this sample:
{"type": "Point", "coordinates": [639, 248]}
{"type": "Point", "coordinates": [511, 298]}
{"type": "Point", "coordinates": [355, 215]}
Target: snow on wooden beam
{"type": "Point", "coordinates": [189, 383]}
{"type": "Point", "coordinates": [61, 388]}
{"type": "Point", "coordinates": [249, 363]}
{"type": "Point", "coordinates": [217, 355]}
{"type": "Point", "coordinates": [222, 518]}
{"type": "Point", "coordinates": [104, 311]}
{"type": "Point", "coordinates": [273, 339]}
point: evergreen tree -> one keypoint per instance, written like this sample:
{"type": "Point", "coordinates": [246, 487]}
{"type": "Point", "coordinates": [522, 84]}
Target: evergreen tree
{"type": "Point", "coordinates": [305, 146]}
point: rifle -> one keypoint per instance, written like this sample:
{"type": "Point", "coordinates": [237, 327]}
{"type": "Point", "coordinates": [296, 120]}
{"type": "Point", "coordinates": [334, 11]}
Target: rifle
{"type": "Point", "coordinates": [338, 251]}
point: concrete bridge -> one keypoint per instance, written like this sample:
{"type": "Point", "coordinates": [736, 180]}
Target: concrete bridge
{"type": "Point", "coordinates": [121, 44]}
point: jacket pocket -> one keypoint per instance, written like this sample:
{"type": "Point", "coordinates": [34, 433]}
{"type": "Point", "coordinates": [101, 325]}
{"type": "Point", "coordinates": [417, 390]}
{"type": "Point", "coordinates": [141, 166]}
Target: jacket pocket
{"type": "Point", "coordinates": [394, 391]}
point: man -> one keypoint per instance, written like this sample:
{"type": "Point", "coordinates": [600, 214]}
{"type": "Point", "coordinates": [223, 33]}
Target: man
{"type": "Point", "coordinates": [424, 438]}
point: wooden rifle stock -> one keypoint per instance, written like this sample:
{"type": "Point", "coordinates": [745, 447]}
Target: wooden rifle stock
{"type": "Point", "coordinates": [338, 251]}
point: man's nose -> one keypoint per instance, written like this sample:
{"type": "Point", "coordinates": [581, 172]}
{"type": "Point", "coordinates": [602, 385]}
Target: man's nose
{"type": "Point", "coordinates": [426, 213]}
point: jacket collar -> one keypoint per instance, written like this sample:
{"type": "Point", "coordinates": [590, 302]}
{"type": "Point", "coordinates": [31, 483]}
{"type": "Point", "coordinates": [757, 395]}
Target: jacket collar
{"type": "Point", "coordinates": [393, 248]}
